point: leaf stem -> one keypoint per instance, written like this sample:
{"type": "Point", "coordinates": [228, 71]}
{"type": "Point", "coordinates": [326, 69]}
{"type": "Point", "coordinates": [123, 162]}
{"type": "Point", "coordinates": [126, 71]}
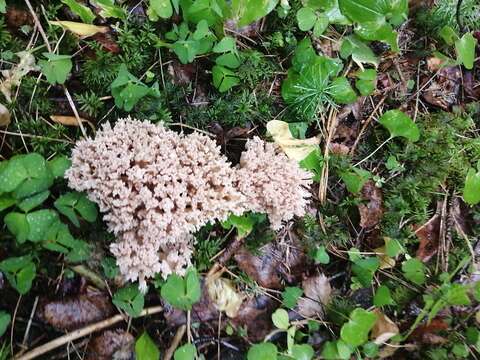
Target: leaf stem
{"type": "Point", "coordinates": [374, 151]}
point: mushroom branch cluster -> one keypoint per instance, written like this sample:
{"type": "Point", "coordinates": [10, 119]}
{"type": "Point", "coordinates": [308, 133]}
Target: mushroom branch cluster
{"type": "Point", "coordinates": [157, 187]}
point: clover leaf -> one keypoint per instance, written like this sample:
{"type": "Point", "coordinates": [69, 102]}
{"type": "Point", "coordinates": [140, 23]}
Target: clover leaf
{"type": "Point", "coordinates": [180, 292]}
{"type": "Point", "coordinates": [73, 204]}
{"type": "Point", "coordinates": [130, 300]}
{"type": "Point", "coordinates": [56, 68]}
{"type": "Point", "coordinates": [20, 272]}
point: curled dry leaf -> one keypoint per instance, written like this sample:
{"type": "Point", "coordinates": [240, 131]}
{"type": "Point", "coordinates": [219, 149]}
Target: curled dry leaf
{"type": "Point", "coordinates": [4, 115]}
{"type": "Point", "coordinates": [317, 293]}
{"type": "Point", "coordinates": [429, 236]}
{"type": "Point", "coordinates": [74, 312]}
{"type": "Point", "coordinates": [224, 296]}
{"type": "Point", "coordinates": [13, 76]}
{"type": "Point", "coordinates": [111, 344]}
{"type": "Point", "coordinates": [296, 149]}
{"type": "Point", "coordinates": [371, 209]}
{"type": "Point", "coordinates": [81, 29]}
{"type": "Point", "coordinates": [384, 328]}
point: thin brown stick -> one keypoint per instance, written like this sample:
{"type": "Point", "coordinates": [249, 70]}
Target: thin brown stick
{"type": "Point", "coordinates": [77, 334]}
{"type": "Point", "coordinates": [175, 342]}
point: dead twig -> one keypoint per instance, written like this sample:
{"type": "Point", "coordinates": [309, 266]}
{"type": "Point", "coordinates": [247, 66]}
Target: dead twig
{"type": "Point", "coordinates": [77, 334]}
{"type": "Point", "coordinates": [175, 342]}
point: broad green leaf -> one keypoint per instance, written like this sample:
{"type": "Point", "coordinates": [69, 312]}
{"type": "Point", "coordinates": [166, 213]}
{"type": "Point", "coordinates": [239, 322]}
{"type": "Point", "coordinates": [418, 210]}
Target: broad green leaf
{"type": "Point", "coordinates": [186, 50]}
{"type": "Point", "coordinates": [39, 223]}
{"type": "Point", "coordinates": [341, 91]}
{"type": "Point", "coordinates": [3, 9]}
{"type": "Point", "coordinates": [201, 31]}
{"type": "Point", "coordinates": [280, 319]}
{"type": "Point", "coordinates": [160, 8]}
{"type": "Point", "coordinates": [182, 293]}
{"type": "Point", "coordinates": [366, 82]}
{"type": "Point", "coordinates": [20, 272]}
{"type": "Point", "coordinates": [290, 296]}
{"type": "Point", "coordinates": [109, 9]}
{"type": "Point", "coordinates": [335, 350]}
{"type": "Point", "coordinates": [227, 44]}
{"type": "Point", "coordinates": [370, 349]}
{"type": "Point", "coordinates": [383, 297]}
{"type": "Point", "coordinates": [230, 60]}
{"type": "Point", "coordinates": [364, 269]}
{"type": "Point", "coordinates": [471, 190]}
{"type": "Point", "coordinates": [58, 165]}
{"type": "Point", "coordinates": [362, 11]}
{"type": "Point", "coordinates": [449, 35]}
{"type": "Point", "coordinates": [248, 11]}
{"type": "Point", "coordinates": [185, 352]}
{"type": "Point", "coordinates": [127, 90]}
{"type": "Point", "coordinates": [314, 163]}
{"type": "Point", "coordinates": [355, 331]}
{"type": "Point", "coordinates": [306, 18]}
{"type": "Point", "coordinates": [6, 200]}
{"type": "Point", "coordinates": [358, 50]}
{"type": "Point", "coordinates": [302, 352]}
{"type": "Point", "coordinates": [82, 11]}
{"type": "Point", "coordinates": [414, 270]}
{"type": "Point", "coordinates": [17, 224]}
{"type": "Point", "coordinates": [355, 179]}
{"type": "Point", "coordinates": [33, 201]}
{"type": "Point", "coordinates": [129, 299]}
{"type": "Point", "coordinates": [145, 348]}
{"type": "Point", "coordinates": [262, 351]}
{"type": "Point", "coordinates": [321, 256]}
{"type": "Point", "coordinates": [243, 224]}
{"type": "Point", "coordinates": [12, 174]}
{"type": "Point", "coordinates": [56, 68]}
{"type": "Point", "coordinates": [223, 78]}
{"type": "Point", "coordinates": [465, 48]}
{"type": "Point", "coordinates": [320, 25]}
{"type": "Point", "coordinates": [5, 319]}
{"type": "Point", "coordinates": [378, 31]}
{"type": "Point", "coordinates": [304, 55]}
{"type": "Point", "coordinates": [400, 124]}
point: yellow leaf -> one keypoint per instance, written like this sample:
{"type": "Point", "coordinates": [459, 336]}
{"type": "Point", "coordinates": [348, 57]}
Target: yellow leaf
{"type": "Point", "coordinates": [224, 296]}
{"type": "Point", "coordinates": [70, 121]}
{"type": "Point", "coordinates": [297, 149]}
{"type": "Point", "coordinates": [80, 29]}
{"type": "Point", "coordinates": [4, 116]}
{"type": "Point", "coordinates": [386, 262]}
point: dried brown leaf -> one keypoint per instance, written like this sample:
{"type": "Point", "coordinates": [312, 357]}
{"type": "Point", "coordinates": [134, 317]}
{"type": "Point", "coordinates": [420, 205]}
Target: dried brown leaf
{"type": "Point", "coordinates": [317, 293]}
{"type": "Point", "coordinates": [111, 344]}
{"type": "Point", "coordinates": [371, 209]}
{"type": "Point", "coordinates": [74, 312]}
{"type": "Point", "coordinates": [428, 234]}
{"type": "Point", "coordinates": [384, 328]}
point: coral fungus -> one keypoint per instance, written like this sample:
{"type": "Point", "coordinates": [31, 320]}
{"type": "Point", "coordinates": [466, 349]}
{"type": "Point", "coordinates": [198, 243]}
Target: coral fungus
{"type": "Point", "coordinates": [157, 187]}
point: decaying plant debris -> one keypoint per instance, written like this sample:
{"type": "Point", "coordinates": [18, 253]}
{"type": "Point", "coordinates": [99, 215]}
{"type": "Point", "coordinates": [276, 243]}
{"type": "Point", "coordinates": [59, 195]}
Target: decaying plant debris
{"type": "Point", "coordinates": [239, 180]}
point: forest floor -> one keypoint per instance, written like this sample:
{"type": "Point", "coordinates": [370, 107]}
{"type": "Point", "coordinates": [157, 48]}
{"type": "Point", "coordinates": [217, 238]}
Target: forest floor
{"type": "Point", "coordinates": [384, 95]}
